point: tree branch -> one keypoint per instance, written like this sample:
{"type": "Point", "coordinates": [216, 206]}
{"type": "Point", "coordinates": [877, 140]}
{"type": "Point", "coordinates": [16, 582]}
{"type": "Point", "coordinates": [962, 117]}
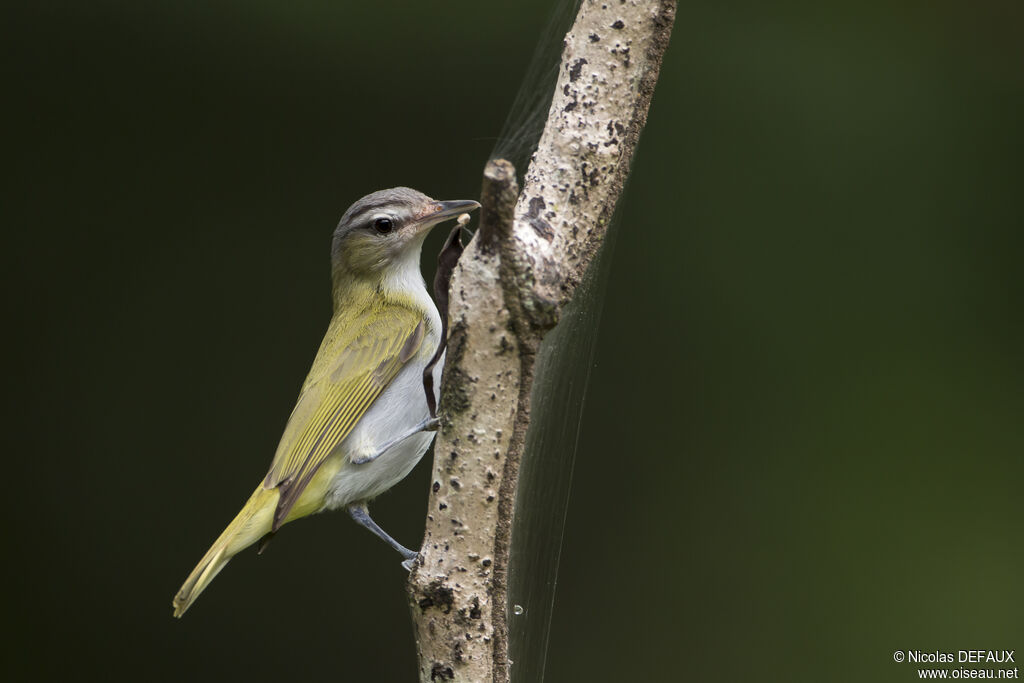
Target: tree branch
{"type": "Point", "coordinates": [507, 291]}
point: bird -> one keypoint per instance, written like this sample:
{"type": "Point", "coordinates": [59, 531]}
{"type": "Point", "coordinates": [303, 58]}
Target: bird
{"type": "Point", "coordinates": [361, 421]}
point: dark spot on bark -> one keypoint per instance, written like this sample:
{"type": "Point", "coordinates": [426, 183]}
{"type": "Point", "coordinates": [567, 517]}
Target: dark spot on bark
{"type": "Point", "coordinates": [453, 455]}
{"type": "Point", "coordinates": [570, 107]}
{"type": "Point", "coordinates": [576, 69]}
{"type": "Point", "coordinates": [613, 141]}
{"type": "Point", "coordinates": [455, 484]}
{"type": "Point", "coordinates": [543, 312]}
{"type": "Point", "coordinates": [456, 397]}
{"type": "Point", "coordinates": [437, 595]}
{"type": "Point", "coordinates": [486, 563]}
{"type": "Point", "coordinates": [440, 672]}
{"type": "Point", "coordinates": [490, 499]}
{"type": "Point", "coordinates": [541, 226]}
{"type": "Point", "coordinates": [537, 204]}
{"type": "Point", "coordinates": [436, 487]}
{"type": "Point", "coordinates": [442, 506]}
{"type": "Point", "coordinates": [565, 89]}
{"type": "Point", "coordinates": [474, 612]}
{"type": "Point", "coordinates": [490, 475]}
{"type": "Point", "coordinates": [618, 25]}
{"type": "Point", "coordinates": [594, 37]}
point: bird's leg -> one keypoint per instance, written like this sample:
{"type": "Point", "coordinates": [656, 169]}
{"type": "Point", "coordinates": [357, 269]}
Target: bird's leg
{"type": "Point", "coordinates": [362, 517]}
{"type": "Point", "coordinates": [428, 425]}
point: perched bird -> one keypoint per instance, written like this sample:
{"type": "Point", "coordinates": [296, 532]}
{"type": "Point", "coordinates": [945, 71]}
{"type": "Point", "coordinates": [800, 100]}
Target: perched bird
{"type": "Point", "coordinates": [361, 421]}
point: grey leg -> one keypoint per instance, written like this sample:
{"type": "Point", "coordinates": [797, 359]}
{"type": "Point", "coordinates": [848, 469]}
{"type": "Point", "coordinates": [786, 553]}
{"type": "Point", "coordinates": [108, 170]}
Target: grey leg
{"type": "Point", "coordinates": [428, 425]}
{"type": "Point", "coordinates": [362, 517]}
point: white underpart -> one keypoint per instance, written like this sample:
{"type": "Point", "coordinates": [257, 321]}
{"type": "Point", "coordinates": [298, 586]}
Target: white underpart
{"type": "Point", "coordinates": [399, 408]}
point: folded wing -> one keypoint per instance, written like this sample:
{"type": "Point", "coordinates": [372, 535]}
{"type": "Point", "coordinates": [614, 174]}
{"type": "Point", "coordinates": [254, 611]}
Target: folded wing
{"type": "Point", "coordinates": [352, 368]}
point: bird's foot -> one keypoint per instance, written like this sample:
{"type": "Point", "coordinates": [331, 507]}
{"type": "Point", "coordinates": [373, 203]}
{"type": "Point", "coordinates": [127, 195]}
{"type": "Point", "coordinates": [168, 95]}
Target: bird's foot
{"type": "Point", "coordinates": [410, 562]}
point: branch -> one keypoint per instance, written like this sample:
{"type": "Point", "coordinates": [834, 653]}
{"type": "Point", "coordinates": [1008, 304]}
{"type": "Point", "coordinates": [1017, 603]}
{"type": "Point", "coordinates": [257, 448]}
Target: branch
{"type": "Point", "coordinates": [507, 291]}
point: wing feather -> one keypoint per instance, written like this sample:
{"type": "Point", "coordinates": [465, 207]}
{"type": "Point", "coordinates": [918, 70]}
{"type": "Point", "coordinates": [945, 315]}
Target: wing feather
{"type": "Point", "coordinates": [351, 370]}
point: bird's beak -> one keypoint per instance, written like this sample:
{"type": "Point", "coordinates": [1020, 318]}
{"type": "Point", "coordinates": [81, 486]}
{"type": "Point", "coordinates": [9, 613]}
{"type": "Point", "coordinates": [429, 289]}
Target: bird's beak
{"type": "Point", "coordinates": [443, 211]}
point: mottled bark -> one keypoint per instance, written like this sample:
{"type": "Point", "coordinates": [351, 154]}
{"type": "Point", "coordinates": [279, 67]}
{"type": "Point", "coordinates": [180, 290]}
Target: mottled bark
{"type": "Point", "coordinates": [507, 292]}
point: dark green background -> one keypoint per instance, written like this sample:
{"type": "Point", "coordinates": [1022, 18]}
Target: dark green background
{"type": "Point", "coordinates": [803, 444]}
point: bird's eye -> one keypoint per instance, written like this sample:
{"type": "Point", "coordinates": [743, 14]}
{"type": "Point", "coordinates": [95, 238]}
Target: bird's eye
{"type": "Point", "coordinates": [383, 225]}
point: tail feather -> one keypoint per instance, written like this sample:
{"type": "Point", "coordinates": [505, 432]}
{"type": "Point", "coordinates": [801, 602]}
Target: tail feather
{"type": "Point", "coordinates": [251, 524]}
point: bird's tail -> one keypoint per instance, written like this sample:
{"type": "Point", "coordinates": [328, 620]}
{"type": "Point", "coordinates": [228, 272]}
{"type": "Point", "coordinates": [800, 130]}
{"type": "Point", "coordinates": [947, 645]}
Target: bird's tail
{"type": "Point", "coordinates": [251, 524]}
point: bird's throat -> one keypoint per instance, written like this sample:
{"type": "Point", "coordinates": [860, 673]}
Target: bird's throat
{"type": "Point", "coordinates": [399, 282]}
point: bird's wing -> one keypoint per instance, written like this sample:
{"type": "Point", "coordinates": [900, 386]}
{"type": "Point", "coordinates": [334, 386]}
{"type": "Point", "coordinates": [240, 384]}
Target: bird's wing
{"type": "Point", "coordinates": [352, 368]}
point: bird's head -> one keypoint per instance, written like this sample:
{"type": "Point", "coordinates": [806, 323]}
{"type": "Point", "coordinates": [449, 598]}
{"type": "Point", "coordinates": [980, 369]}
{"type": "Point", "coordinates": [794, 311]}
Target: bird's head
{"type": "Point", "coordinates": [384, 231]}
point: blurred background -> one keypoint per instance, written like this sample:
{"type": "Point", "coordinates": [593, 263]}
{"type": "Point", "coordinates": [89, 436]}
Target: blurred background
{"type": "Point", "coordinates": [802, 448]}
